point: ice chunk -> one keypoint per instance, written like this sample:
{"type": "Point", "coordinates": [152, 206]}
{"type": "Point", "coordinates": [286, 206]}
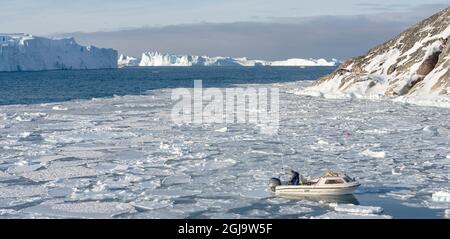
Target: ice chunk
{"type": "Point", "coordinates": [24, 168]}
{"type": "Point", "coordinates": [441, 196]}
{"type": "Point", "coordinates": [173, 193]}
{"type": "Point", "coordinates": [294, 209]}
{"type": "Point", "coordinates": [176, 179]}
{"type": "Point", "coordinates": [337, 215]}
{"type": "Point", "coordinates": [152, 205]}
{"type": "Point", "coordinates": [22, 191]}
{"type": "Point", "coordinates": [59, 108]}
{"type": "Point", "coordinates": [218, 163]}
{"type": "Point", "coordinates": [258, 213]}
{"type": "Point", "coordinates": [256, 194]}
{"type": "Point", "coordinates": [356, 209]}
{"type": "Point", "coordinates": [4, 175]}
{"type": "Point", "coordinates": [81, 210]}
{"type": "Point", "coordinates": [222, 130]}
{"type": "Point", "coordinates": [59, 192]}
{"type": "Point", "coordinates": [222, 215]}
{"type": "Point", "coordinates": [402, 194]}
{"type": "Point", "coordinates": [59, 173]}
{"type": "Point", "coordinates": [373, 154]}
{"type": "Point", "coordinates": [322, 142]}
{"type": "Point", "coordinates": [162, 213]}
{"type": "Point", "coordinates": [447, 213]}
{"type": "Point", "coordinates": [431, 129]}
{"type": "Point", "coordinates": [6, 212]}
{"type": "Point", "coordinates": [448, 156]}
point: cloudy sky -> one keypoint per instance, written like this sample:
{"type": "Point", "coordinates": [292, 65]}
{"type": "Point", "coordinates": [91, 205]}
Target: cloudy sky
{"type": "Point", "coordinates": [263, 29]}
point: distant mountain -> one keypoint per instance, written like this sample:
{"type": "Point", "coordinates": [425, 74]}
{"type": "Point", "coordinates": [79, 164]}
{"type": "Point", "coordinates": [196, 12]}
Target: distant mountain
{"type": "Point", "coordinates": [412, 67]}
{"type": "Point", "coordinates": [24, 52]}
{"type": "Point", "coordinates": [159, 59]}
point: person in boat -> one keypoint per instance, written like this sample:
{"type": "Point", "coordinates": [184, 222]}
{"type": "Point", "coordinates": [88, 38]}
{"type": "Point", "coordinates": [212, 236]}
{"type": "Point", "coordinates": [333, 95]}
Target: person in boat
{"type": "Point", "coordinates": [295, 178]}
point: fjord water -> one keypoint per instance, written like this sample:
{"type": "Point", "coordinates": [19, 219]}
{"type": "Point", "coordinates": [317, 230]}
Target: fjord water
{"type": "Point", "coordinates": [57, 86]}
{"type": "Point", "coordinates": [101, 144]}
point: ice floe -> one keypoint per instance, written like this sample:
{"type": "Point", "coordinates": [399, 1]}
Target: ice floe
{"type": "Point", "coordinates": [441, 196]}
{"type": "Point", "coordinates": [22, 191]}
{"type": "Point", "coordinates": [56, 173]}
{"type": "Point", "coordinates": [337, 215]}
{"type": "Point", "coordinates": [356, 209]}
{"type": "Point", "coordinates": [80, 210]}
{"type": "Point", "coordinates": [373, 154]}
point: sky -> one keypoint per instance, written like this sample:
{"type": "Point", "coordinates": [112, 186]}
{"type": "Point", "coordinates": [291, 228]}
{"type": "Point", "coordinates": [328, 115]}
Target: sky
{"type": "Point", "coordinates": [261, 29]}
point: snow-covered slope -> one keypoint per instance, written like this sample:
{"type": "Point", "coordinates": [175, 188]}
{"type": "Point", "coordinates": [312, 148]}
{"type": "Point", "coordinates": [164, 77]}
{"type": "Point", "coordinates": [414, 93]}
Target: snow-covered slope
{"type": "Point", "coordinates": [24, 52]}
{"type": "Point", "coordinates": [159, 59]}
{"type": "Point", "coordinates": [412, 67]}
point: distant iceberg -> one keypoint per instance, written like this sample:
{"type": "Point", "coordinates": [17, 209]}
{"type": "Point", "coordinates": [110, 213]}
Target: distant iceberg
{"type": "Point", "coordinates": [124, 61]}
{"type": "Point", "coordinates": [24, 52]}
{"type": "Point", "coordinates": [159, 59]}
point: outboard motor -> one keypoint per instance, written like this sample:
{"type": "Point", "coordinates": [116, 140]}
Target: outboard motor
{"type": "Point", "coordinates": [274, 182]}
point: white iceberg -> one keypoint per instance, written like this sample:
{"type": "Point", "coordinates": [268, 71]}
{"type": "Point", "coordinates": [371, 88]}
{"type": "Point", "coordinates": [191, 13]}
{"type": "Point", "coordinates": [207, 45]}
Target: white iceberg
{"type": "Point", "coordinates": [160, 59]}
{"type": "Point", "coordinates": [24, 52]}
{"type": "Point", "coordinates": [127, 61]}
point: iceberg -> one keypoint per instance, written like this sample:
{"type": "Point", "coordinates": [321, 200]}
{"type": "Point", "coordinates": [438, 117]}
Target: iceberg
{"type": "Point", "coordinates": [127, 61]}
{"type": "Point", "coordinates": [160, 59]}
{"type": "Point", "coordinates": [304, 62]}
{"type": "Point", "coordinates": [24, 52]}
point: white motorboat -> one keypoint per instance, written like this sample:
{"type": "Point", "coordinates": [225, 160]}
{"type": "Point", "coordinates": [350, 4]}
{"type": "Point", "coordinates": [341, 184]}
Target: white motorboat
{"type": "Point", "coordinates": [330, 183]}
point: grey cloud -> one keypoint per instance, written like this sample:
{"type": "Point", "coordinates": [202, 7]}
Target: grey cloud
{"type": "Point", "coordinates": [326, 36]}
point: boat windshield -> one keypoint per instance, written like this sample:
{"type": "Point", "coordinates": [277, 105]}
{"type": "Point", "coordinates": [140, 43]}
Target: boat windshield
{"type": "Point", "coordinates": [334, 181]}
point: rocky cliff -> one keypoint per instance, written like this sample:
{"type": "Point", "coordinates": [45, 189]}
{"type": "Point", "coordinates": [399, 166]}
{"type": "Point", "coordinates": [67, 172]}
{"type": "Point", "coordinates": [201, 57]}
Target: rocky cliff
{"type": "Point", "coordinates": [414, 66]}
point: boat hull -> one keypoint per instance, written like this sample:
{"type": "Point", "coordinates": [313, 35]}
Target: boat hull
{"type": "Point", "coordinates": [291, 190]}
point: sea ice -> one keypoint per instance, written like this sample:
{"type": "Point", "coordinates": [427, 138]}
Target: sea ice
{"type": "Point", "coordinates": [22, 191]}
{"type": "Point", "coordinates": [373, 154]}
{"type": "Point", "coordinates": [356, 209]}
{"type": "Point", "coordinates": [217, 174]}
{"type": "Point", "coordinates": [176, 179]}
{"type": "Point", "coordinates": [294, 209]}
{"type": "Point", "coordinates": [59, 107]}
{"type": "Point", "coordinates": [222, 130]}
{"type": "Point", "coordinates": [80, 210]}
{"type": "Point", "coordinates": [55, 173]}
{"type": "Point", "coordinates": [256, 194]}
{"type": "Point", "coordinates": [337, 215]}
{"type": "Point", "coordinates": [4, 175]}
{"type": "Point", "coordinates": [173, 193]}
{"type": "Point", "coordinates": [441, 196]}
{"type": "Point", "coordinates": [152, 205]}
